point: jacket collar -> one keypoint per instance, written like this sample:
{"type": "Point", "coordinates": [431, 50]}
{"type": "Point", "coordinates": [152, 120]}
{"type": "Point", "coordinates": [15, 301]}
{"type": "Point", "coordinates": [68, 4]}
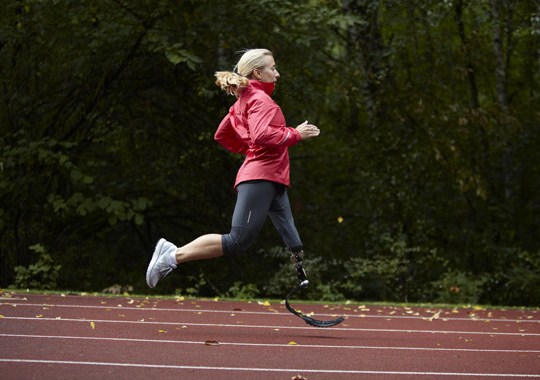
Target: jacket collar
{"type": "Point", "coordinates": [267, 87]}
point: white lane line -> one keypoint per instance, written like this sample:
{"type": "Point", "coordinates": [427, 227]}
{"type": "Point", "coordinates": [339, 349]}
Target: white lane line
{"type": "Point", "coordinates": [12, 299]}
{"type": "Point", "coordinates": [425, 317]}
{"type": "Point", "coordinates": [271, 345]}
{"type": "Point", "coordinates": [220, 325]}
{"type": "Point", "coordinates": [289, 370]}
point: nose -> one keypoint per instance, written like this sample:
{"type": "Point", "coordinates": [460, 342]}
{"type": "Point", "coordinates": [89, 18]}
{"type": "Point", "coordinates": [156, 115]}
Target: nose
{"type": "Point", "coordinates": [277, 75]}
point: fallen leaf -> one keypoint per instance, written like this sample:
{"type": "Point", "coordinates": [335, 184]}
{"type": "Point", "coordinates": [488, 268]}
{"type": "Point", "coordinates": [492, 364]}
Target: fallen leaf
{"type": "Point", "coordinates": [292, 343]}
{"type": "Point", "coordinates": [163, 331]}
{"type": "Point", "coordinates": [1, 316]}
{"type": "Point", "coordinates": [93, 325]}
{"type": "Point", "coordinates": [211, 343]}
{"type": "Point", "coordinates": [298, 377]}
{"type": "Point", "coordinates": [39, 316]}
{"type": "Point", "coordinates": [437, 315]}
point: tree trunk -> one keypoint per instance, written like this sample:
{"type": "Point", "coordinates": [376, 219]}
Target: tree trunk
{"type": "Point", "coordinates": [365, 43]}
{"type": "Point", "coordinates": [498, 47]}
{"type": "Point", "coordinates": [473, 88]}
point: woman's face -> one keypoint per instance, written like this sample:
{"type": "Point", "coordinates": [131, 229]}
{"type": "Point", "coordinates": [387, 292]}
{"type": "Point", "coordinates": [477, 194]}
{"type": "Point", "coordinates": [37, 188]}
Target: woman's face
{"type": "Point", "coordinates": [268, 72]}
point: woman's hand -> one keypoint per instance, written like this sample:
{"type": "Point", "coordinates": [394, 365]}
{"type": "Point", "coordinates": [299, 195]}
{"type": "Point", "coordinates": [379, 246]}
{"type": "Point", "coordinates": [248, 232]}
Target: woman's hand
{"type": "Point", "coordinates": [308, 130]}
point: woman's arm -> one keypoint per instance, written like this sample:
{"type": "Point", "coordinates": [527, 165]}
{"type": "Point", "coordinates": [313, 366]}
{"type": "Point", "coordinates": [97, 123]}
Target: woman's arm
{"type": "Point", "coordinates": [227, 137]}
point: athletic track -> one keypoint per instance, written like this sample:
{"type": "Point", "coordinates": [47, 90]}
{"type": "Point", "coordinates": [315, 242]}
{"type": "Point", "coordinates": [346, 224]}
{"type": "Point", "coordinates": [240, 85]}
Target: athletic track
{"type": "Point", "coordinates": [90, 337]}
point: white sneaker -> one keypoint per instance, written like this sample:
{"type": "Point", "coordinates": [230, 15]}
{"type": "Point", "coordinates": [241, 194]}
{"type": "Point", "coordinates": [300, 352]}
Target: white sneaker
{"type": "Point", "coordinates": [160, 265]}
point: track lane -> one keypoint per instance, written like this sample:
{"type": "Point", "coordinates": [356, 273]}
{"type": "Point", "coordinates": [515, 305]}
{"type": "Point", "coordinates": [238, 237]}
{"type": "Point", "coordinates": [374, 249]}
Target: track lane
{"type": "Point", "coordinates": [251, 336]}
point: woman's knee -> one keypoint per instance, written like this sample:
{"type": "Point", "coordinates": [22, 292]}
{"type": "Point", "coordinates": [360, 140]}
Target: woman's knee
{"type": "Point", "coordinates": [238, 240]}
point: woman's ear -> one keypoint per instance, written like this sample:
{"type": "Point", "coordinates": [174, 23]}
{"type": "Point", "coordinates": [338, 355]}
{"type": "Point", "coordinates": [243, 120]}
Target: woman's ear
{"type": "Point", "coordinates": [257, 74]}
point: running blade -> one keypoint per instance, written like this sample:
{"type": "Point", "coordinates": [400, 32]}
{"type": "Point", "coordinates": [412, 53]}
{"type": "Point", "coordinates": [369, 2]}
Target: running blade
{"type": "Point", "coordinates": [309, 320]}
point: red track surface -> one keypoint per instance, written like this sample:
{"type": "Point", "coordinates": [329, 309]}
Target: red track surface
{"type": "Point", "coordinates": [86, 337]}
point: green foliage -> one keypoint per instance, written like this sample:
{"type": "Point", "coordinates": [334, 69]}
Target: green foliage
{"type": "Point", "coordinates": [459, 287]}
{"type": "Point", "coordinates": [198, 283]}
{"type": "Point", "coordinates": [243, 291]}
{"type": "Point", "coordinates": [41, 275]}
{"type": "Point", "coordinates": [517, 282]}
{"type": "Point", "coordinates": [425, 175]}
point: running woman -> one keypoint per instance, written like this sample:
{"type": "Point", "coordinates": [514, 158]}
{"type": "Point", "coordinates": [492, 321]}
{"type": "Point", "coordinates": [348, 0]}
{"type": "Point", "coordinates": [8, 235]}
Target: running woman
{"type": "Point", "coordinates": [255, 127]}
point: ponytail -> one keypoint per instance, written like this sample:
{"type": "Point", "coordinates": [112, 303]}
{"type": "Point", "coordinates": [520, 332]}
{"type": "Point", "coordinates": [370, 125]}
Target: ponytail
{"type": "Point", "coordinates": [231, 83]}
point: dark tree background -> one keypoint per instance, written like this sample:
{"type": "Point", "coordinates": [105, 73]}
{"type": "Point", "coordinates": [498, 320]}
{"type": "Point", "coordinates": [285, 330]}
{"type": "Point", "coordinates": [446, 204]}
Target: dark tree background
{"type": "Point", "coordinates": [423, 186]}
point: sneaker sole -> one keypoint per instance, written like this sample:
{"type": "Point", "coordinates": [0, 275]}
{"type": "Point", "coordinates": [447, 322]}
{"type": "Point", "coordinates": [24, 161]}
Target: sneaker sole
{"type": "Point", "coordinates": [153, 262]}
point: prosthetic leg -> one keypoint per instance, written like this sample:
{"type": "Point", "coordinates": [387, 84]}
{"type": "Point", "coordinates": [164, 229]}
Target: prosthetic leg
{"type": "Point", "coordinates": [296, 258]}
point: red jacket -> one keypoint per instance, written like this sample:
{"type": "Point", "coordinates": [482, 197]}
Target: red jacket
{"type": "Point", "coordinates": [255, 126]}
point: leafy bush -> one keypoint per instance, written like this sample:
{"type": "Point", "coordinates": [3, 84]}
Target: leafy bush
{"type": "Point", "coordinates": [41, 275]}
{"type": "Point", "coordinates": [239, 290]}
{"type": "Point", "coordinates": [379, 278]}
{"type": "Point", "coordinates": [459, 287]}
{"type": "Point", "coordinates": [517, 282]}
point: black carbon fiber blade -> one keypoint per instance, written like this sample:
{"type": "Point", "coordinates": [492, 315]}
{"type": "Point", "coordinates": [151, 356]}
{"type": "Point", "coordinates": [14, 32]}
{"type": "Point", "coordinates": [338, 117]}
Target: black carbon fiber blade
{"type": "Point", "coordinates": [310, 321]}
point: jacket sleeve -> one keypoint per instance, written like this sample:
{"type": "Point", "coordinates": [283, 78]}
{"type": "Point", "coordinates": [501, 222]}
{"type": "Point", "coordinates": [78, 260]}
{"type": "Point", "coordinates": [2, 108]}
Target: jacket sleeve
{"type": "Point", "coordinates": [227, 137]}
{"type": "Point", "coordinates": [267, 124]}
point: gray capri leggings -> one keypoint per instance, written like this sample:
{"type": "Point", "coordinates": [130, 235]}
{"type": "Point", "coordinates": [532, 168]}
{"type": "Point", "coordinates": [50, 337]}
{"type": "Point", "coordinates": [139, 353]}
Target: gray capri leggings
{"type": "Point", "coordinates": [256, 200]}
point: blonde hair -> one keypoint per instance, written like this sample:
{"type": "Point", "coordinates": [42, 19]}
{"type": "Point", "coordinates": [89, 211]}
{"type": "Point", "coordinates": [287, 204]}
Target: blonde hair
{"type": "Point", "coordinates": [233, 83]}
